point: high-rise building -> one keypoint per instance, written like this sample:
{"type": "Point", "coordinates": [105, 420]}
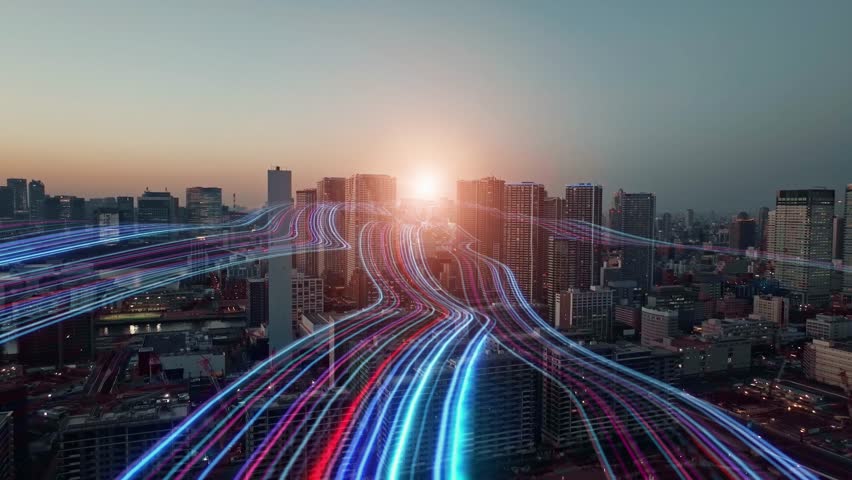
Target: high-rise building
{"type": "Point", "coordinates": [583, 207]}
{"type": "Point", "coordinates": [742, 232]}
{"type": "Point", "coordinates": [306, 262]}
{"type": "Point", "coordinates": [257, 307]}
{"type": "Point", "coordinates": [368, 198]}
{"type": "Point", "coordinates": [762, 227]}
{"type": "Point", "coordinates": [633, 214]}
{"type": "Point", "coordinates": [480, 207]}
{"type": "Point", "coordinates": [307, 295]}
{"type": "Point", "coordinates": [664, 232]}
{"type": "Point", "coordinates": [279, 191]}
{"type": "Point", "coordinates": [101, 445]}
{"type": "Point", "coordinates": [505, 389]}
{"type": "Point", "coordinates": [551, 215]}
{"type": "Point", "coordinates": [331, 264]}
{"type": "Point", "coordinates": [125, 210]}
{"type": "Point", "coordinates": [690, 217]}
{"type": "Point", "coordinates": [565, 417]}
{"type": "Point", "coordinates": [108, 223]}
{"type": "Point", "coordinates": [553, 210]}
{"type": "Point", "coordinates": [64, 207]}
{"type": "Point", "coordinates": [7, 202]}
{"type": "Point", "coordinates": [19, 197]}
{"type": "Point", "coordinates": [157, 207]}
{"type": "Point", "coordinates": [522, 242]}
{"type": "Point", "coordinates": [769, 234]}
{"type": "Point", "coordinates": [204, 205]}
{"type": "Point", "coordinates": [847, 246]}
{"type": "Point", "coordinates": [586, 309]}
{"type": "Point", "coordinates": [838, 230]}
{"type": "Point", "coordinates": [7, 446]}
{"type": "Point", "coordinates": [35, 191]}
{"type": "Point", "coordinates": [14, 399]}
{"type": "Point", "coordinates": [803, 238]}
{"type": "Point", "coordinates": [560, 264]}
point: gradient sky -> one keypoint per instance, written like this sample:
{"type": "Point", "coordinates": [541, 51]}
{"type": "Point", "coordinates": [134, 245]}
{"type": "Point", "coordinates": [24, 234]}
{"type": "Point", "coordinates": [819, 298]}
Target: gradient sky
{"type": "Point", "coordinates": [709, 105]}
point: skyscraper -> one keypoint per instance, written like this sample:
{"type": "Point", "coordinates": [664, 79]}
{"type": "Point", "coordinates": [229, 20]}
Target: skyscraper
{"type": "Point", "coordinates": [583, 207]}
{"type": "Point", "coordinates": [769, 232]}
{"type": "Point", "coordinates": [281, 325]}
{"type": "Point", "coordinates": [36, 199]}
{"type": "Point", "coordinates": [742, 232]}
{"type": "Point", "coordinates": [521, 239]}
{"type": "Point", "coordinates": [19, 197]}
{"type": "Point", "coordinates": [306, 263]}
{"type": "Point", "coordinates": [553, 210]}
{"type": "Point", "coordinates": [331, 264]}
{"type": "Point", "coordinates": [762, 227]}
{"type": "Point", "coordinates": [368, 197]}
{"type": "Point", "coordinates": [157, 207]}
{"type": "Point", "coordinates": [633, 214]}
{"type": "Point", "coordinates": [204, 205]}
{"type": "Point", "coordinates": [803, 232]}
{"type": "Point", "coordinates": [838, 230]}
{"type": "Point", "coordinates": [480, 207]}
{"type": "Point", "coordinates": [665, 230]}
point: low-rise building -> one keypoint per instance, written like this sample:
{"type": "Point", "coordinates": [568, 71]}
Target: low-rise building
{"type": "Point", "coordinates": [759, 332]}
{"type": "Point", "coordinates": [710, 356]}
{"type": "Point", "coordinates": [773, 308]}
{"type": "Point", "coordinates": [826, 361]}
{"type": "Point", "coordinates": [589, 309]}
{"type": "Point", "coordinates": [829, 327]}
{"type": "Point", "coordinates": [657, 325]}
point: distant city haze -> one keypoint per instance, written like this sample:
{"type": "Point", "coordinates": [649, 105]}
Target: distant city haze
{"type": "Point", "coordinates": [709, 106]}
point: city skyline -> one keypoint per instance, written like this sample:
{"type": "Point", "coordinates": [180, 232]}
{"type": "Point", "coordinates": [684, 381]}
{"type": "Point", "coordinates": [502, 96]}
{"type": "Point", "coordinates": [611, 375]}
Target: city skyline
{"type": "Point", "coordinates": [447, 240]}
{"type": "Point", "coordinates": [556, 94]}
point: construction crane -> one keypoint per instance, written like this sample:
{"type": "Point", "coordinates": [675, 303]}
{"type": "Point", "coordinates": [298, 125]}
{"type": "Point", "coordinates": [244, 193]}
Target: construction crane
{"type": "Point", "coordinates": [774, 383]}
{"type": "Point", "coordinates": [208, 369]}
{"type": "Point", "coordinates": [847, 391]}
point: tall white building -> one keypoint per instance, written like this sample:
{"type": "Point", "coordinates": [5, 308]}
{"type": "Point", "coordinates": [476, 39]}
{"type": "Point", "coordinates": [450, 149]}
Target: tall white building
{"type": "Point", "coordinates": [368, 198]}
{"type": "Point", "coordinates": [803, 227]}
{"type": "Point", "coordinates": [281, 327]}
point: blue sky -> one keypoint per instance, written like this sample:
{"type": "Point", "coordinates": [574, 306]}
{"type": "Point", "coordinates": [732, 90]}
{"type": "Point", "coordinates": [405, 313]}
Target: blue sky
{"type": "Point", "coordinates": [707, 104]}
